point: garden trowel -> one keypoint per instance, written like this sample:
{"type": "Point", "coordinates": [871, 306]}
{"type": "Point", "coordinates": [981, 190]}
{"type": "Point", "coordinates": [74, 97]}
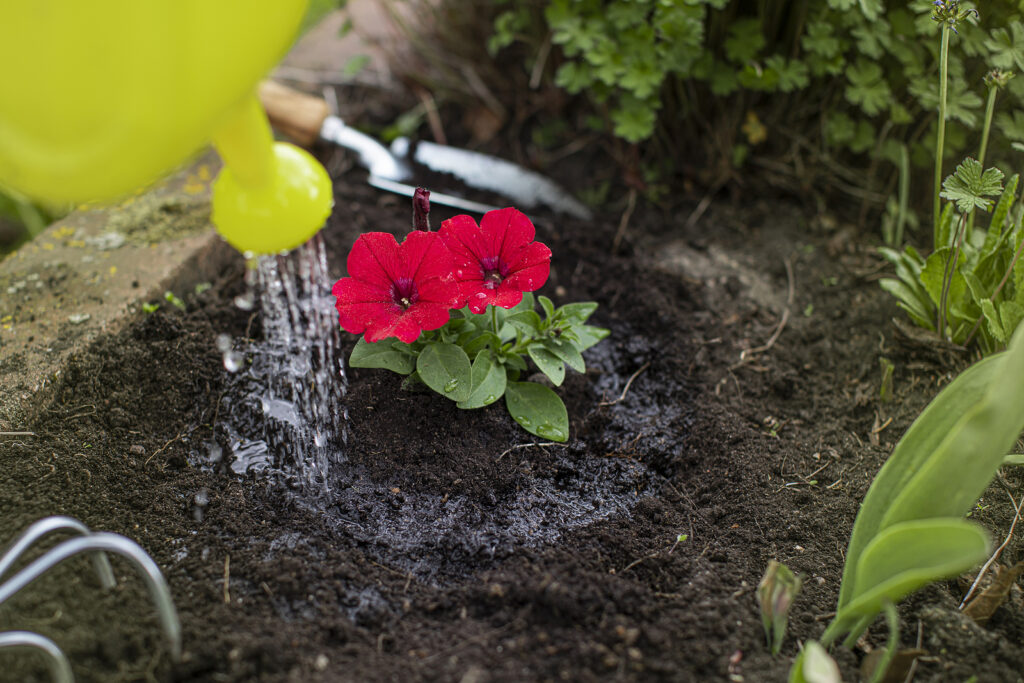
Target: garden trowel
{"type": "Point", "coordinates": [305, 119]}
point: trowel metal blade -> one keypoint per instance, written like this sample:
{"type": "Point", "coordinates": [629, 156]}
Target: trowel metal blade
{"type": "Point", "coordinates": [527, 188]}
{"type": "Point", "coordinates": [435, 197]}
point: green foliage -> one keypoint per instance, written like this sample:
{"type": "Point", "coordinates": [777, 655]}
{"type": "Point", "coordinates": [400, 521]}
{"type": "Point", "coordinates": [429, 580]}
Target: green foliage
{"type": "Point", "coordinates": [910, 530]}
{"type": "Point", "coordinates": [498, 341]}
{"type": "Point", "coordinates": [867, 67]}
{"type": "Point", "coordinates": [974, 283]}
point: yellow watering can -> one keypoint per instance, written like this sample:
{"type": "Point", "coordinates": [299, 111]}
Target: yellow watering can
{"type": "Point", "coordinates": [101, 98]}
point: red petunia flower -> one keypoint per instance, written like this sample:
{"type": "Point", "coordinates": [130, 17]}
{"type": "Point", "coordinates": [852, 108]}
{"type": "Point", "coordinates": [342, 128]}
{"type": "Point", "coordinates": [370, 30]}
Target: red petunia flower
{"type": "Point", "coordinates": [497, 261]}
{"type": "Point", "coordinates": [396, 290]}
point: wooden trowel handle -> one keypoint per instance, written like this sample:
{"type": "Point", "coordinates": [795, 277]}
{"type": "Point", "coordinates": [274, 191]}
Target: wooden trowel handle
{"type": "Point", "coordinates": [295, 114]}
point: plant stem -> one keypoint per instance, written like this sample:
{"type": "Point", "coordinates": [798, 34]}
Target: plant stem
{"type": "Point", "coordinates": [990, 108]}
{"type": "Point", "coordinates": [494, 320]}
{"type": "Point", "coordinates": [940, 141]}
{"type": "Point", "coordinates": [949, 273]}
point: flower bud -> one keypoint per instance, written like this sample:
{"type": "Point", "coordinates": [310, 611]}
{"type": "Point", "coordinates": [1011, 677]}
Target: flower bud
{"type": "Point", "coordinates": [776, 593]}
{"type": "Point", "coordinates": [421, 209]}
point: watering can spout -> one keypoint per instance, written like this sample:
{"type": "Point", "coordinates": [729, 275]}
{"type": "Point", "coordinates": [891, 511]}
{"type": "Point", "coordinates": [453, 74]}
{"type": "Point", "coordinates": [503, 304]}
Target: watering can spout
{"type": "Point", "coordinates": [270, 196]}
{"type": "Point", "coordinates": [106, 98]}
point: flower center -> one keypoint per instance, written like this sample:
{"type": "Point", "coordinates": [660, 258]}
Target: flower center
{"type": "Point", "coordinates": [404, 293]}
{"type": "Point", "coordinates": [494, 271]}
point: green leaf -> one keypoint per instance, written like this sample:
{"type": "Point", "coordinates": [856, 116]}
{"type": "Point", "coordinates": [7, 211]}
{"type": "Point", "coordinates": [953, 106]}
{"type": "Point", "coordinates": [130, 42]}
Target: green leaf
{"type": "Point", "coordinates": [579, 312]}
{"type": "Point", "coordinates": [588, 335]}
{"type": "Point", "coordinates": [1007, 47]}
{"type": "Point", "coordinates": [968, 185]}
{"type": "Point", "coordinates": [445, 369]}
{"type": "Point", "coordinates": [908, 556]}
{"type": "Point", "coordinates": [381, 354]}
{"type": "Point", "coordinates": [867, 87]}
{"type": "Point", "coordinates": [1010, 314]}
{"type": "Point", "coordinates": [745, 40]}
{"type": "Point", "coordinates": [820, 40]}
{"type": "Point", "coordinates": [946, 458]}
{"type": "Point", "coordinates": [547, 305]}
{"type": "Point", "coordinates": [548, 363]}
{"type": "Point", "coordinates": [526, 322]}
{"type": "Point", "coordinates": [488, 382]}
{"type": "Point", "coordinates": [568, 353]}
{"type": "Point", "coordinates": [538, 410]}
{"type": "Point", "coordinates": [995, 327]}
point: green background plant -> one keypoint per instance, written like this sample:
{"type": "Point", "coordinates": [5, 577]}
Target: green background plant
{"type": "Point", "coordinates": [828, 79]}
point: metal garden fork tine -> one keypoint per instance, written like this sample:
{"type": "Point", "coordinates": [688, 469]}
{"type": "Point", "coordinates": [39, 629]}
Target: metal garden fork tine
{"type": "Point", "coordinates": [111, 543]}
{"type": "Point", "coordinates": [49, 525]}
{"type": "Point", "coordinates": [60, 667]}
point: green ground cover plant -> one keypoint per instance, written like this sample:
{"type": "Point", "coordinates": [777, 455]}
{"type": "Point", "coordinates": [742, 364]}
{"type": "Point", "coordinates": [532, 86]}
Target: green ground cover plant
{"type": "Point", "coordinates": [911, 529]}
{"type": "Point", "coordinates": [828, 80]}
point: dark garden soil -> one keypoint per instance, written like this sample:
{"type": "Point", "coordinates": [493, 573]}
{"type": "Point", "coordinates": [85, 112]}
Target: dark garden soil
{"type": "Point", "coordinates": [452, 550]}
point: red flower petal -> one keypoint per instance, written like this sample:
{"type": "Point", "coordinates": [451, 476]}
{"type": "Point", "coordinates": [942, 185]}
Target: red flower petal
{"type": "Point", "coordinates": [532, 269]}
{"type": "Point", "coordinates": [506, 231]}
{"type": "Point", "coordinates": [379, 267]}
{"type": "Point", "coordinates": [375, 258]}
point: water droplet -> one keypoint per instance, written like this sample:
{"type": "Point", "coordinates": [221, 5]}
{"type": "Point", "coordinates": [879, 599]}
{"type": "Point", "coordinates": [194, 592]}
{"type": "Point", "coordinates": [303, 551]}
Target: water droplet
{"type": "Point", "coordinates": [549, 431]}
{"type": "Point", "coordinates": [233, 361]}
{"type": "Point", "coordinates": [246, 301]}
{"type": "Point", "coordinates": [525, 421]}
{"type": "Point", "coordinates": [491, 398]}
{"type": "Point", "coordinates": [451, 385]}
{"type": "Point", "coordinates": [481, 295]}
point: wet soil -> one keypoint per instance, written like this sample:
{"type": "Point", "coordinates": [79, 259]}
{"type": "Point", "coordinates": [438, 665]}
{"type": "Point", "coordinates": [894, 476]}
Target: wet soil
{"type": "Point", "coordinates": [733, 417]}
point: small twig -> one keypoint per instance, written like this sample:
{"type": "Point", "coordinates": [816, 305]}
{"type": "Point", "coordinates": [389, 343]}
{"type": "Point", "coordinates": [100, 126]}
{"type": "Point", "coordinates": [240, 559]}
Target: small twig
{"type": "Point", "coordinates": [538, 66]}
{"type": "Point", "coordinates": [227, 579]}
{"type": "Point", "coordinates": [433, 118]}
{"type": "Point", "coordinates": [163, 448]}
{"type": "Point", "coordinates": [635, 563]}
{"type": "Point", "coordinates": [748, 355]}
{"type": "Point", "coordinates": [995, 556]}
{"type": "Point", "coordinates": [17, 433]}
{"type": "Point", "coordinates": [913, 664]}
{"type": "Point", "coordinates": [881, 428]}
{"type": "Point", "coordinates": [624, 221]}
{"type": "Point", "coordinates": [625, 389]}
{"type": "Point", "coordinates": [539, 444]}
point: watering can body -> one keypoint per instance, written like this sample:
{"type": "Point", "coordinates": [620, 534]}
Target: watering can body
{"type": "Point", "coordinates": [102, 98]}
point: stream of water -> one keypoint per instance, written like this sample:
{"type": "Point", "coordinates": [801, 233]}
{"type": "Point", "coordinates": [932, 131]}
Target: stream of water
{"type": "Point", "coordinates": [293, 377]}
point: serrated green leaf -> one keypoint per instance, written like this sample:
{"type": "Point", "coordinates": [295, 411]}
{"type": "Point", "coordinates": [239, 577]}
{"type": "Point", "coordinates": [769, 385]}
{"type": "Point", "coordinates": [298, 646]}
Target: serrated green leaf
{"type": "Point", "coordinates": [745, 40]}
{"type": "Point", "coordinates": [995, 327]}
{"type": "Point", "coordinates": [488, 380]}
{"type": "Point", "coordinates": [968, 186]}
{"type": "Point", "coordinates": [538, 410]}
{"type": "Point", "coordinates": [1006, 47]}
{"type": "Point", "coordinates": [866, 87]}
{"type": "Point", "coordinates": [382, 355]}
{"type": "Point", "coordinates": [445, 368]}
